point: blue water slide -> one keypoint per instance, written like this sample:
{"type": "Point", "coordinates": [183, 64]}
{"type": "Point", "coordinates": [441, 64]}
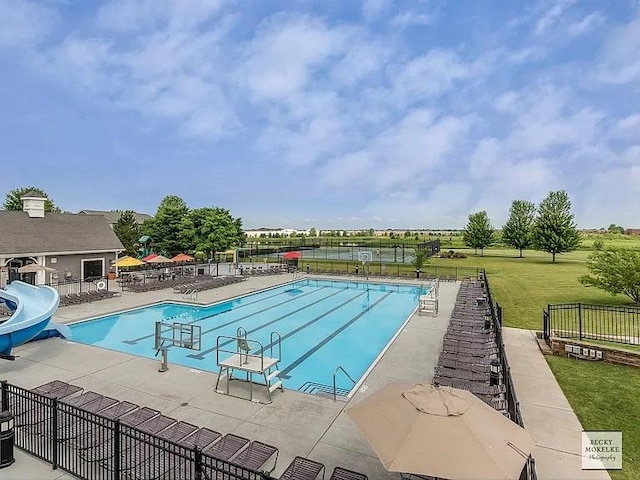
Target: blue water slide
{"type": "Point", "coordinates": [33, 307]}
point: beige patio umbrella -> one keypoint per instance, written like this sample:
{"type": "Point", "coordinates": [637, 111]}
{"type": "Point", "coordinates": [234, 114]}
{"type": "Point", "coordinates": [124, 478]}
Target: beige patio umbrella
{"type": "Point", "coordinates": [35, 268]}
{"type": "Point", "coordinates": [159, 259]}
{"type": "Point", "coordinates": [441, 432]}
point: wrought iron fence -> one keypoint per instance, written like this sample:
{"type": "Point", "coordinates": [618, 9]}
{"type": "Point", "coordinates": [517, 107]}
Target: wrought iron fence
{"type": "Point", "coordinates": [583, 321]}
{"type": "Point", "coordinates": [91, 446]}
{"type": "Point", "coordinates": [513, 406]}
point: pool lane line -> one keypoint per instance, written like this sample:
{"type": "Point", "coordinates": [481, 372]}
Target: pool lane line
{"type": "Point", "coordinates": [136, 340]}
{"type": "Point", "coordinates": [201, 355]}
{"type": "Point", "coordinates": [318, 346]}
{"type": "Point", "coordinates": [314, 320]}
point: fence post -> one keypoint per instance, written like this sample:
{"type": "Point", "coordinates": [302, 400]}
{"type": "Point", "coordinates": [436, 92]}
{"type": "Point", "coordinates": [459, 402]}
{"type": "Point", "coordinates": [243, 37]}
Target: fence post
{"type": "Point", "coordinates": [198, 463]}
{"type": "Point", "coordinates": [54, 434]}
{"type": "Point", "coordinates": [5, 394]}
{"type": "Point", "coordinates": [580, 319]}
{"type": "Point", "coordinates": [116, 450]}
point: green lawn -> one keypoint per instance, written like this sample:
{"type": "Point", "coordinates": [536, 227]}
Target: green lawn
{"type": "Point", "coordinates": [605, 397]}
{"type": "Point", "coordinates": [524, 286]}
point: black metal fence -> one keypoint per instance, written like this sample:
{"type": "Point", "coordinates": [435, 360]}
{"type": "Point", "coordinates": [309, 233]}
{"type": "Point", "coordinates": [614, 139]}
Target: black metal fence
{"type": "Point", "coordinates": [387, 269]}
{"type": "Point", "coordinates": [513, 406]}
{"type": "Point", "coordinates": [583, 321]}
{"type": "Point", "coordinates": [91, 447]}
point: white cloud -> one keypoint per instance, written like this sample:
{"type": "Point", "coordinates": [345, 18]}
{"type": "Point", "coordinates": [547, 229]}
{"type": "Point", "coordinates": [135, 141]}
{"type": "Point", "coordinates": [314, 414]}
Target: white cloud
{"type": "Point", "coordinates": [628, 127]}
{"type": "Point", "coordinates": [412, 18]}
{"type": "Point", "coordinates": [551, 17]}
{"type": "Point", "coordinates": [285, 52]}
{"type": "Point", "coordinates": [25, 23]}
{"type": "Point", "coordinates": [137, 15]}
{"type": "Point", "coordinates": [586, 24]}
{"type": "Point", "coordinates": [430, 75]}
{"type": "Point", "coordinates": [373, 9]}
{"type": "Point", "coordinates": [620, 62]}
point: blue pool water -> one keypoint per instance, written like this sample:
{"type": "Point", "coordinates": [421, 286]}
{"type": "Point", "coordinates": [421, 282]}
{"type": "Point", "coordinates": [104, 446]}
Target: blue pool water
{"type": "Point", "coordinates": [323, 324]}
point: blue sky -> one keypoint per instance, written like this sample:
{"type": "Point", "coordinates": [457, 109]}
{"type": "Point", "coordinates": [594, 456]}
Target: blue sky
{"type": "Point", "coordinates": [325, 114]}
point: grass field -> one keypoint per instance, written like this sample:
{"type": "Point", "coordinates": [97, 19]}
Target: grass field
{"type": "Point", "coordinates": [604, 397]}
{"type": "Point", "coordinates": [524, 286]}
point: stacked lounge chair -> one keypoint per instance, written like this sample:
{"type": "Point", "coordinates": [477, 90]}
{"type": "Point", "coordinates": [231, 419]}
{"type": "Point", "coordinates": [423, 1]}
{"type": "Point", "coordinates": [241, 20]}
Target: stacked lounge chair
{"type": "Point", "coordinates": [469, 346]}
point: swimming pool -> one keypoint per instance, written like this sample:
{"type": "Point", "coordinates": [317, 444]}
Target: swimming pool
{"type": "Point", "coordinates": [323, 324]}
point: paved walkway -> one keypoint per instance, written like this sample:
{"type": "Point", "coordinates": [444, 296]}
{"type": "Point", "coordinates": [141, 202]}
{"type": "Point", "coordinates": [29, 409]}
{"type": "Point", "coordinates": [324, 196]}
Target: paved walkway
{"type": "Point", "coordinates": [546, 412]}
{"type": "Point", "coordinates": [297, 423]}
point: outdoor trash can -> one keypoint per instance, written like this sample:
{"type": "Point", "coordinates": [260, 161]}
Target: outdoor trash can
{"type": "Point", "coordinates": [6, 439]}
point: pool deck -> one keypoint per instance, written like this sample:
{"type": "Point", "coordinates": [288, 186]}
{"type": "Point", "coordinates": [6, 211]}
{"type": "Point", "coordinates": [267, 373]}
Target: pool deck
{"type": "Point", "coordinates": [297, 423]}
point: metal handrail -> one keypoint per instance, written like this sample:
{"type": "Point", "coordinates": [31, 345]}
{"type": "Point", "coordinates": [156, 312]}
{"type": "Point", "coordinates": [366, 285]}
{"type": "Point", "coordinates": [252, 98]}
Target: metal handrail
{"type": "Point", "coordinates": [335, 372]}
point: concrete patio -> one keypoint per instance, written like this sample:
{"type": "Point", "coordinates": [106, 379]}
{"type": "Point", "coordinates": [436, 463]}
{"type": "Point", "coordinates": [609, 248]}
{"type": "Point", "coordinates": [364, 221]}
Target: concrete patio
{"type": "Point", "coordinates": [297, 423]}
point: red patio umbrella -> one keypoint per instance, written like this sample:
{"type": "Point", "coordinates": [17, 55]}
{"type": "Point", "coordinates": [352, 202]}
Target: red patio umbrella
{"type": "Point", "coordinates": [292, 255]}
{"type": "Point", "coordinates": [149, 257]}
{"type": "Point", "coordinates": [182, 257]}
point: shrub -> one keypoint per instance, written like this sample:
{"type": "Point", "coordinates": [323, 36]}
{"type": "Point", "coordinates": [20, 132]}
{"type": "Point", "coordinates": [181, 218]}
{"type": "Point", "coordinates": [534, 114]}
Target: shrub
{"type": "Point", "coordinates": [452, 254]}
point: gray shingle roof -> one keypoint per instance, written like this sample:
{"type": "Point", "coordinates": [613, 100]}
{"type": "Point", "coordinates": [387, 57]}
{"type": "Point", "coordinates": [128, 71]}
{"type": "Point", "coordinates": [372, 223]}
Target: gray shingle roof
{"type": "Point", "coordinates": [55, 233]}
{"type": "Point", "coordinates": [113, 215]}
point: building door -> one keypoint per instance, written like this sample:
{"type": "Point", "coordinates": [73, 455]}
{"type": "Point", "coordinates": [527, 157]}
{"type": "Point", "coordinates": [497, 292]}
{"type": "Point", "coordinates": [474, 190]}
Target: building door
{"type": "Point", "coordinates": [93, 269]}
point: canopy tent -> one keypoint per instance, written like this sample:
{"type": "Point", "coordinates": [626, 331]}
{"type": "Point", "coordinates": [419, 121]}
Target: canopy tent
{"type": "Point", "coordinates": [182, 257]}
{"type": "Point", "coordinates": [35, 268]}
{"type": "Point", "coordinates": [441, 432]}
{"type": "Point", "coordinates": [292, 256]}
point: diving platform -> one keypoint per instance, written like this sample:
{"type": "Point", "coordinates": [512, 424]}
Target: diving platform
{"type": "Point", "coordinates": [247, 356]}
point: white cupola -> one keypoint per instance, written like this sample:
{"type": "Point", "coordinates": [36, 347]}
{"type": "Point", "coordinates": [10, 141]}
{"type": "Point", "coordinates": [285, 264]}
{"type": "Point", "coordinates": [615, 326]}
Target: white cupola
{"type": "Point", "coordinates": [33, 204]}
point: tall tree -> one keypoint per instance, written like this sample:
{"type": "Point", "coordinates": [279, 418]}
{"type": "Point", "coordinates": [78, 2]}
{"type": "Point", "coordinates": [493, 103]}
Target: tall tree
{"type": "Point", "coordinates": [13, 199]}
{"type": "Point", "coordinates": [479, 232]}
{"type": "Point", "coordinates": [554, 230]}
{"type": "Point", "coordinates": [166, 228]}
{"type": "Point", "coordinates": [616, 271]}
{"type": "Point", "coordinates": [211, 230]}
{"type": "Point", "coordinates": [128, 231]}
{"type": "Point", "coordinates": [518, 230]}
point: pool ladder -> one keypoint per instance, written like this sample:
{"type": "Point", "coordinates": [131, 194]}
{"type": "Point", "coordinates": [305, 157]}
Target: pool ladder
{"type": "Point", "coordinates": [190, 295]}
{"type": "Point", "coordinates": [335, 374]}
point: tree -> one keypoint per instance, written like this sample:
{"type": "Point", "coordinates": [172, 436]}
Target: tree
{"type": "Point", "coordinates": [615, 271]}
{"type": "Point", "coordinates": [13, 199]}
{"type": "Point", "coordinates": [313, 232]}
{"type": "Point", "coordinates": [613, 228]}
{"type": "Point", "coordinates": [554, 230]}
{"type": "Point", "coordinates": [479, 232]}
{"type": "Point", "coordinates": [420, 258]}
{"type": "Point", "coordinates": [128, 231]}
{"type": "Point", "coordinates": [518, 230]}
{"type": "Point", "coordinates": [212, 229]}
{"type": "Point", "coordinates": [167, 228]}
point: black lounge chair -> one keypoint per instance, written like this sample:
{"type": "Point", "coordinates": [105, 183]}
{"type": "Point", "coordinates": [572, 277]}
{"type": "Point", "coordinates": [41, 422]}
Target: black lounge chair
{"type": "Point", "coordinates": [340, 473]}
{"type": "Point", "coordinates": [178, 469]}
{"type": "Point", "coordinates": [101, 448]}
{"type": "Point", "coordinates": [31, 413]}
{"type": "Point", "coordinates": [303, 469]}
{"type": "Point", "coordinates": [226, 447]}
{"type": "Point", "coordinates": [133, 452]}
{"type": "Point", "coordinates": [78, 428]}
{"type": "Point", "coordinates": [256, 455]}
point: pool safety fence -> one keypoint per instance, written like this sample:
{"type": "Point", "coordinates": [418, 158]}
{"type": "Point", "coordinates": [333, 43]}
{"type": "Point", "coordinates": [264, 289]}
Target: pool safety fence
{"type": "Point", "coordinates": [584, 321]}
{"type": "Point", "coordinates": [90, 446]}
{"type": "Point", "coordinates": [76, 287]}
